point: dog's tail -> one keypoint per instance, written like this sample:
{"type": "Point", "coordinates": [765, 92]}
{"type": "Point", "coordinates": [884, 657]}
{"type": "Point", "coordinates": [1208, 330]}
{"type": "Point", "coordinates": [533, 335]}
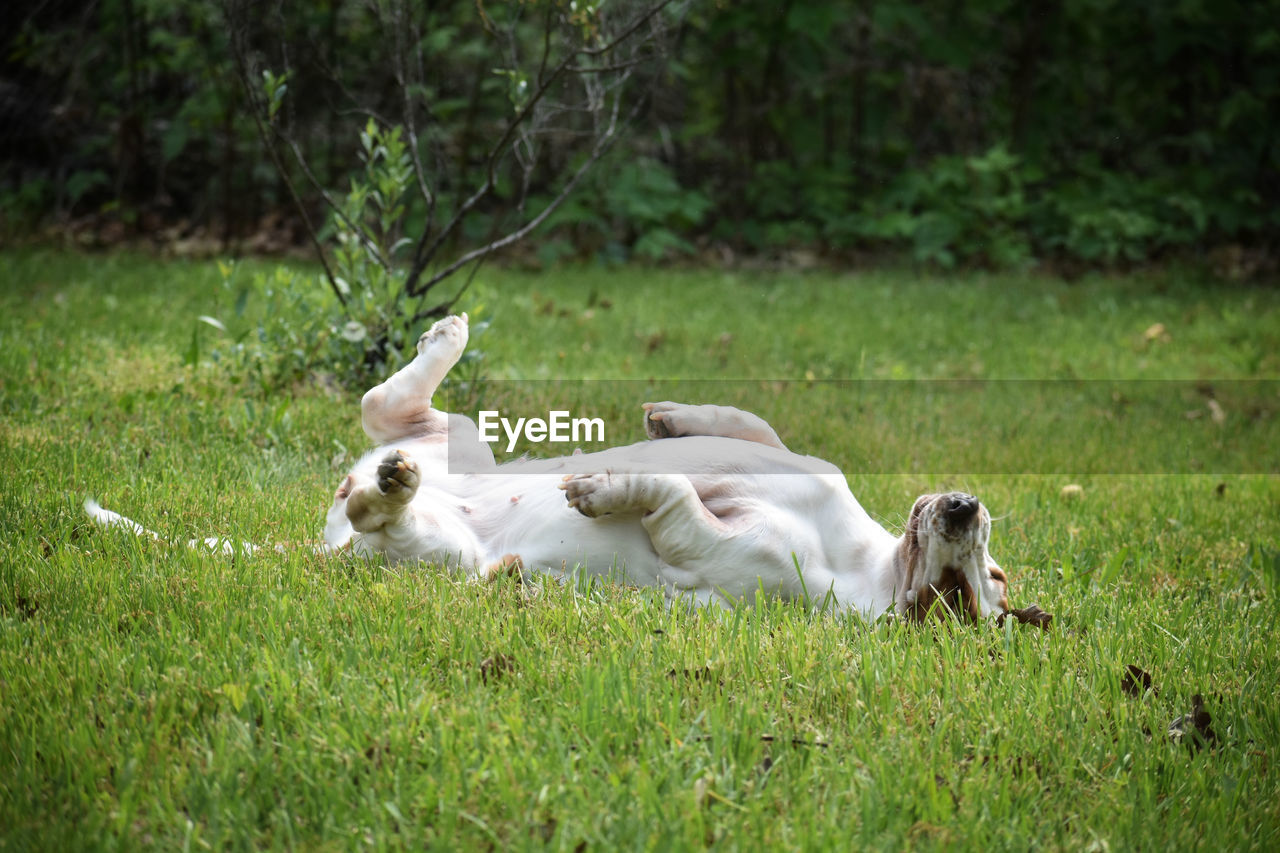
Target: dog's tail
{"type": "Point", "coordinates": [217, 544]}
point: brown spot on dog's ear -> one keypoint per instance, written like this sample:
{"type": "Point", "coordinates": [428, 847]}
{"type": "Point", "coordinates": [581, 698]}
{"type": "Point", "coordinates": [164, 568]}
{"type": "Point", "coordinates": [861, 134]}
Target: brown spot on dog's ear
{"type": "Point", "coordinates": [956, 594]}
{"type": "Point", "coordinates": [968, 600]}
{"type": "Point", "coordinates": [953, 593]}
{"type": "Point", "coordinates": [913, 520]}
{"type": "Point", "coordinates": [909, 554]}
{"type": "Point", "coordinates": [923, 603]}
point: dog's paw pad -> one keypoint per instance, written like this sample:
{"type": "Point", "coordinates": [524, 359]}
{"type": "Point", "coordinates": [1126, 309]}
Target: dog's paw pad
{"type": "Point", "coordinates": [397, 475]}
{"type": "Point", "coordinates": [662, 420]}
{"type": "Point", "coordinates": [449, 336]}
{"type": "Point", "coordinates": [655, 426]}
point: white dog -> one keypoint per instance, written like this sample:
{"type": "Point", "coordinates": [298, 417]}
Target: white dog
{"type": "Point", "coordinates": [714, 509]}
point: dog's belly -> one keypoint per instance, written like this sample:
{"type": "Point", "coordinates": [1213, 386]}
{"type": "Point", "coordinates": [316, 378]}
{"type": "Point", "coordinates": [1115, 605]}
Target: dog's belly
{"type": "Point", "coordinates": [550, 537]}
{"type": "Point", "coordinates": [526, 514]}
{"type": "Point", "coordinates": [520, 509]}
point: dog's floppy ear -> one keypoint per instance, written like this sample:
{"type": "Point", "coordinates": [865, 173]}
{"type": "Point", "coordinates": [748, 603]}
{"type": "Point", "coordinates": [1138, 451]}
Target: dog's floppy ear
{"type": "Point", "coordinates": [913, 521]}
{"type": "Point", "coordinates": [909, 549]}
{"type": "Point", "coordinates": [337, 529]}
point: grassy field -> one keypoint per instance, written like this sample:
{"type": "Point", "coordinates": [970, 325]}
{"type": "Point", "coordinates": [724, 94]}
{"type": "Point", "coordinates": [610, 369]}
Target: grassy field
{"type": "Point", "coordinates": [153, 696]}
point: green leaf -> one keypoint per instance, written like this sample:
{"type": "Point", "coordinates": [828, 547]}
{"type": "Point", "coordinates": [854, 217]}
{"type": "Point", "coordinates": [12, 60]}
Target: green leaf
{"type": "Point", "coordinates": [192, 356]}
{"type": "Point", "coordinates": [174, 140]}
{"type": "Point", "coordinates": [212, 321]}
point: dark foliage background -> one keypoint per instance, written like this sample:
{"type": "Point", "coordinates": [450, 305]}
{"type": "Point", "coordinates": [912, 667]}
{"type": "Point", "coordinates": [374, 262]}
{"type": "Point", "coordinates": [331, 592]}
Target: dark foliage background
{"type": "Point", "coordinates": [990, 131]}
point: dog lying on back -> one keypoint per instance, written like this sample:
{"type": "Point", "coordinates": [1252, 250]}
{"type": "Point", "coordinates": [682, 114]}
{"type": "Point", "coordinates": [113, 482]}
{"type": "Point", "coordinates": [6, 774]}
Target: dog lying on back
{"type": "Point", "coordinates": [714, 508]}
{"type": "Point", "coordinates": [743, 514]}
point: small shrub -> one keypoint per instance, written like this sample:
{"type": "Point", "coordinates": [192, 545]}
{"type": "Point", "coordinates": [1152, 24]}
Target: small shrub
{"type": "Point", "coordinates": [1105, 217]}
{"type": "Point", "coordinates": [288, 324]}
{"type": "Point", "coordinates": [962, 209]}
{"type": "Point", "coordinates": [638, 208]}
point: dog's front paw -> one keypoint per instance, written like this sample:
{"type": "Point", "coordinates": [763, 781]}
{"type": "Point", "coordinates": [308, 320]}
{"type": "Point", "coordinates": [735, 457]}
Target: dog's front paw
{"type": "Point", "coordinates": [446, 339]}
{"type": "Point", "coordinates": [398, 477]}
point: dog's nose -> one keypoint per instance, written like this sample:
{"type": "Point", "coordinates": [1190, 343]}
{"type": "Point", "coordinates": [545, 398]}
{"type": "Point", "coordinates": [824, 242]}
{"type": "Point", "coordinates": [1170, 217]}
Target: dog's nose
{"type": "Point", "coordinates": [959, 508]}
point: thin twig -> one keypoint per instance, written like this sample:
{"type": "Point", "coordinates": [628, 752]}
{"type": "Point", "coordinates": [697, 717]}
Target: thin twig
{"type": "Point", "coordinates": [359, 230]}
{"type": "Point", "coordinates": [603, 144]}
{"type": "Point", "coordinates": [598, 69]}
{"type": "Point", "coordinates": [446, 307]}
{"type": "Point", "coordinates": [425, 251]}
{"type": "Point", "coordinates": [625, 34]}
{"type": "Point", "coordinates": [546, 43]}
{"type": "Point", "coordinates": [256, 110]}
{"type": "Point", "coordinates": [410, 126]}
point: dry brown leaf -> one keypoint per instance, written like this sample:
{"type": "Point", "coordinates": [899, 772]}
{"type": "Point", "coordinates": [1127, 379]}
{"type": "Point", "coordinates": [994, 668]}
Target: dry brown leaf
{"type": "Point", "coordinates": [1137, 681]}
{"type": "Point", "coordinates": [1031, 615]}
{"type": "Point", "coordinates": [1194, 729]}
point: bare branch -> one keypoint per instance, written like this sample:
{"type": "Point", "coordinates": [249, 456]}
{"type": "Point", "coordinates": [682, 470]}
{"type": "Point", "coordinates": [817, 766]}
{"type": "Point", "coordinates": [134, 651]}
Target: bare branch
{"type": "Point", "coordinates": [268, 131]}
{"type": "Point", "coordinates": [627, 33]}
{"type": "Point", "coordinates": [570, 104]}
{"type": "Point", "coordinates": [604, 69]}
{"type": "Point", "coordinates": [407, 113]}
{"type": "Point", "coordinates": [428, 245]}
{"type": "Point", "coordinates": [546, 44]}
{"type": "Point", "coordinates": [359, 229]}
{"type": "Point", "coordinates": [603, 143]}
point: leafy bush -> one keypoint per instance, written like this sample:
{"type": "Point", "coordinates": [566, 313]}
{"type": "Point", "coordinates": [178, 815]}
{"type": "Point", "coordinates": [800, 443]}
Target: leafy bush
{"type": "Point", "coordinates": [981, 132]}
{"type": "Point", "coordinates": [25, 203]}
{"type": "Point", "coordinates": [648, 202]}
{"type": "Point", "coordinates": [994, 209]}
{"type": "Point", "coordinates": [794, 206]}
{"type": "Point", "coordinates": [1105, 217]}
{"type": "Point", "coordinates": [283, 325]}
{"type": "Point", "coordinates": [633, 207]}
{"type": "Point", "coordinates": [959, 209]}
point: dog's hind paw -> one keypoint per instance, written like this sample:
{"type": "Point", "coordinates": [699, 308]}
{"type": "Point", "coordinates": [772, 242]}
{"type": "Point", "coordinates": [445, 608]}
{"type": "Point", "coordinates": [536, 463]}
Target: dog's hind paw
{"type": "Point", "coordinates": [446, 339]}
{"type": "Point", "coordinates": [662, 420]}
{"type": "Point", "coordinates": [398, 476]}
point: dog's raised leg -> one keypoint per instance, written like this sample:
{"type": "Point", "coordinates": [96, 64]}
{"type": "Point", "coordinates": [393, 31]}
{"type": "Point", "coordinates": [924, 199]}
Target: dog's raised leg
{"type": "Point", "coordinates": [671, 420]}
{"type": "Point", "coordinates": [680, 526]}
{"type": "Point", "coordinates": [401, 407]}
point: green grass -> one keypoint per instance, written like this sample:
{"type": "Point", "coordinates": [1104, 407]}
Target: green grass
{"type": "Point", "coordinates": [152, 696]}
